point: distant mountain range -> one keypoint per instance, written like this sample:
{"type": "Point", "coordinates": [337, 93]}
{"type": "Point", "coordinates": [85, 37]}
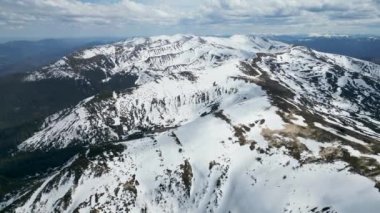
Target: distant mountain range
{"type": "Point", "coordinates": [362, 47]}
{"type": "Point", "coordinates": [24, 56]}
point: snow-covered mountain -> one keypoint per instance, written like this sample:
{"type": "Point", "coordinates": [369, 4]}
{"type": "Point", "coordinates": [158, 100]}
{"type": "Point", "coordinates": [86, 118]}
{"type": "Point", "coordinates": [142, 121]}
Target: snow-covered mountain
{"type": "Point", "coordinates": [237, 124]}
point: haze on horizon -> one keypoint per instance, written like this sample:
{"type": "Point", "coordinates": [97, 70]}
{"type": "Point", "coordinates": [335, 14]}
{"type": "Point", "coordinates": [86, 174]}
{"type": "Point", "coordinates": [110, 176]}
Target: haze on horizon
{"type": "Point", "coordinates": [121, 18]}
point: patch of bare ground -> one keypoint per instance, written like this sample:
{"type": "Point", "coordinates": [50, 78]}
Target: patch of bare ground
{"type": "Point", "coordinates": [220, 114]}
{"type": "Point", "coordinates": [189, 75]}
{"type": "Point", "coordinates": [130, 186]}
{"type": "Point", "coordinates": [176, 139]}
{"type": "Point", "coordinates": [287, 137]}
{"type": "Point", "coordinates": [239, 130]}
{"type": "Point", "coordinates": [212, 164]}
{"type": "Point", "coordinates": [246, 68]}
{"type": "Point", "coordinates": [187, 175]}
{"type": "Point", "coordinates": [365, 166]}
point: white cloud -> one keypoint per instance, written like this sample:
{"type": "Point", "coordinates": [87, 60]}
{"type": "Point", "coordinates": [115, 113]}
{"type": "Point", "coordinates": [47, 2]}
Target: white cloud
{"type": "Point", "coordinates": [197, 15]}
{"type": "Point", "coordinates": [78, 11]}
{"type": "Point", "coordinates": [299, 10]}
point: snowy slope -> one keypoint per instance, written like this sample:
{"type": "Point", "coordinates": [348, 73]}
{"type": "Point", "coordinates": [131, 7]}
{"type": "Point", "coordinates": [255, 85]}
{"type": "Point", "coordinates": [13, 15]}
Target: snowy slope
{"type": "Point", "coordinates": [240, 124]}
{"type": "Point", "coordinates": [343, 90]}
{"type": "Point", "coordinates": [224, 176]}
{"type": "Point", "coordinates": [179, 78]}
{"type": "Point", "coordinates": [163, 54]}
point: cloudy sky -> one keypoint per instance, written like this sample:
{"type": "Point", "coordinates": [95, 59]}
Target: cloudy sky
{"type": "Point", "coordinates": [118, 18]}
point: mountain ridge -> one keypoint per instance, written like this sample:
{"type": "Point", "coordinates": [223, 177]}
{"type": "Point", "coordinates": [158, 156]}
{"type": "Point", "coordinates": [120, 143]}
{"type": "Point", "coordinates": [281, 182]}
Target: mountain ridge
{"type": "Point", "coordinates": [212, 124]}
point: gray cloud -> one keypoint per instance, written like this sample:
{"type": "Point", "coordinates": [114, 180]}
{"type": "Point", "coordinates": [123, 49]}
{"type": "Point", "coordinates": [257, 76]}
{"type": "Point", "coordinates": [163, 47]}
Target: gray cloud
{"type": "Point", "coordinates": [200, 16]}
